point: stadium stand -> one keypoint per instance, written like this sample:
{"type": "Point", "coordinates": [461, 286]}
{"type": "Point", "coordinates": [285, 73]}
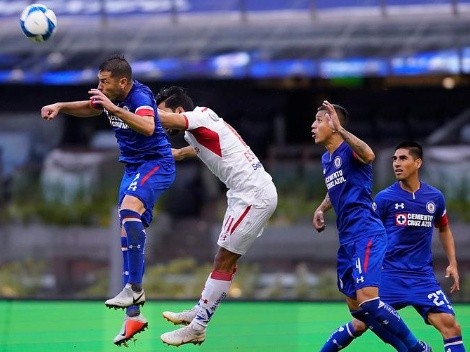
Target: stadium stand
{"type": "Point", "coordinates": [238, 38]}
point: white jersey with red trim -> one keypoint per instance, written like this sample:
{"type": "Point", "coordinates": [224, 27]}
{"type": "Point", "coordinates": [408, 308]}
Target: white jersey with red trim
{"type": "Point", "coordinates": [224, 152]}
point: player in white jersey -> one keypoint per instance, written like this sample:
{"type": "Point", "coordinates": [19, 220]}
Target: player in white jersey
{"type": "Point", "coordinates": [251, 200]}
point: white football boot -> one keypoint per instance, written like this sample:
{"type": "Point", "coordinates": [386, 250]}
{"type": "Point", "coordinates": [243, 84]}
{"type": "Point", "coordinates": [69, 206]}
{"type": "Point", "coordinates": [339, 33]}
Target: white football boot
{"type": "Point", "coordinates": [184, 317]}
{"type": "Point", "coordinates": [126, 298]}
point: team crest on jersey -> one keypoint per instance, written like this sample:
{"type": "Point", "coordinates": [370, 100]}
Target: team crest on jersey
{"type": "Point", "coordinates": [431, 207]}
{"type": "Point", "coordinates": [400, 219]}
{"type": "Point", "coordinates": [337, 162]}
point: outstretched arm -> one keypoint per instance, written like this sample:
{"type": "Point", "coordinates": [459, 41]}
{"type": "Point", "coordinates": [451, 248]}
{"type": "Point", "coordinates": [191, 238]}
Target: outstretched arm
{"type": "Point", "coordinates": [74, 108]}
{"type": "Point", "coordinates": [447, 241]}
{"type": "Point", "coordinates": [318, 220]}
{"type": "Point", "coordinates": [363, 152]}
{"type": "Point", "coordinates": [172, 120]}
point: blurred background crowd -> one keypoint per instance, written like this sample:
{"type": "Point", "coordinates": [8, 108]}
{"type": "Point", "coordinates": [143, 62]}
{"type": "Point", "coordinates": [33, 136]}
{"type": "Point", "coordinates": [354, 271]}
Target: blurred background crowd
{"type": "Point", "coordinates": [401, 68]}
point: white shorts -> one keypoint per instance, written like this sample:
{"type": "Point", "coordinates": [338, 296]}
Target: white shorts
{"type": "Point", "coordinates": [246, 216]}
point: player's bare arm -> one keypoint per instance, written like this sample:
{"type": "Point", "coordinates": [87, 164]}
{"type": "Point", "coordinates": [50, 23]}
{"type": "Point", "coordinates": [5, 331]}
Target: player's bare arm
{"type": "Point", "coordinates": [364, 153]}
{"type": "Point", "coordinates": [74, 108]}
{"type": "Point", "coordinates": [141, 124]}
{"type": "Point", "coordinates": [318, 220]}
{"type": "Point", "coordinates": [447, 241]}
{"type": "Point", "coordinates": [183, 153]}
{"type": "Point", "coordinates": [172, 120]}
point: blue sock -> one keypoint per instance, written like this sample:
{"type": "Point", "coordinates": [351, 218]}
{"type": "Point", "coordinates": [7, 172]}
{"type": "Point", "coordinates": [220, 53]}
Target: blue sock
{"type": "Point", "coordinates": [340, 338]}
{"type": "Point", "coordinates": [454, 344]}
{"type": "Point", "coordinates": [132, 311]}
{"type": "Point", "coordinates": [125, 262]}
{"type": "Point", "coordinates": [136, 236]}
{"type": "Point", "coordinates": [386, 316]}
{"type": "Point", "coordinates": [379, 330]}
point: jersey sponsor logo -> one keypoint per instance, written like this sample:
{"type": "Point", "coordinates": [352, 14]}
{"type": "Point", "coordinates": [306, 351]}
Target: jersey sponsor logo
{"type": "Point", "coordinates": [334, 179]}
{"type": "Point", "coordinates": [412, 219]}
{"type": "Point", "coordinates": [431, 207]}
{"type": "Point", "coordinates": [116, 121]}
{"type": "Point", "coordinates": [338, 162]}
{"type": "Point", "coordinates": [399, 206]}
{"type": "Point", "coordinates": [255, 163]}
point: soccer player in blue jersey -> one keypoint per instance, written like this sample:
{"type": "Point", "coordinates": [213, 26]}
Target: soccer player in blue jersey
{"type": "Point", "coordinates": [149, 171]}
{"type": "Point", "coordinates": [347, 171]}
{"type": "Point", "coordinates": [410, 209]}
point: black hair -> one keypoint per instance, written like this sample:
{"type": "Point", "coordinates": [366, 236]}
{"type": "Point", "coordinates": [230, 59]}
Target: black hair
{"type": "Point", "coordinates": [343, 114]}
{"type": "Point", "coordinates": [415, 149]}
{"type": "Point", "coordinates": [175, 97]}
{"type": "Point", "coordinates": [118, 66]}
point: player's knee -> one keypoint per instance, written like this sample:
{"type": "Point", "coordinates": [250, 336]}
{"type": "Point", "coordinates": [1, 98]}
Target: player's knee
{"type": "Point", "coordinates": [360, 321]}
{"type": "Point", "coordinates": [359, 327]}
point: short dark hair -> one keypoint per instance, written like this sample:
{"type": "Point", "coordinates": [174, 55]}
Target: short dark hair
{"type": "Point", "coordinates": [118, 66]}
{"type": "Point", "coordinates": [415, 149]}
{"type": "Point", "coordinates": [342, 113]}
{"type": "Point", "coordinates": [175, 97]}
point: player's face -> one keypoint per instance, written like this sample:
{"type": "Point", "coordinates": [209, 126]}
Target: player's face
{"type": "Point", "coordinates": [321, 130]}
{"type": "Point", "coordinates": [404, 165]}
{"type": "Point", "coordinates": [162, 106]}
{"type": "Point", "coordinates": [111, 86]}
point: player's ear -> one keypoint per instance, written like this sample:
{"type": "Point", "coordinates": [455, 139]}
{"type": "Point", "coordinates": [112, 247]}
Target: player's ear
{"type": "Point", "coordinates": [179, 110]}
{"type": "Point", "coordinates": [123, 81]}
{"type": "Point", "coordinates": [419, 162]}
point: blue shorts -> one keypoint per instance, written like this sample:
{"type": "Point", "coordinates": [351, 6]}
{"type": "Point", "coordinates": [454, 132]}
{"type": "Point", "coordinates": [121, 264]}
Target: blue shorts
{"type": "Point", "coordinates": [360, 263]}
{"type": "Point", "coordinates": [422, 291]}
{"type": "Point", "coordinates": [147, 182]}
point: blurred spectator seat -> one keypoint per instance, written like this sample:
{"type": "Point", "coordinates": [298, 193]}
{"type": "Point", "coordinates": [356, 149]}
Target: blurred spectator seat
{"type": "Point", "coordinates": [71, 174]}
{"type": "Point", "coordinates": [104, 140]}
{"type": "Point", "coordinates": [15, 151]}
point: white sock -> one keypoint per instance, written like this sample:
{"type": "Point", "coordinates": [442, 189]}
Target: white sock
{"type": "Point", "coordinates": [215, 290]}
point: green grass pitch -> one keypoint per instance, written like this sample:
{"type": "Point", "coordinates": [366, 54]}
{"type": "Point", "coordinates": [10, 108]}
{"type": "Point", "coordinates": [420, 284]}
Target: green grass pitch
{"type": "Point", "coordinates": [82, 326]}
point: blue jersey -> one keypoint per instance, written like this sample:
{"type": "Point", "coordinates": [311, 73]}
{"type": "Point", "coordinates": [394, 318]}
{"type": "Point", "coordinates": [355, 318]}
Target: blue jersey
{"type": "Point", "coordinates": [409, 219]}
{"type": "Point", "coordinates": [349, 184]}
{"type": "Point", "coordinates": [134, 146]}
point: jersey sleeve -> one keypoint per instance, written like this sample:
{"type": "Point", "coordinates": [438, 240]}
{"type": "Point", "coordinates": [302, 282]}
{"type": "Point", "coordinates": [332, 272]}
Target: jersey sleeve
{"type": "Point", "coordinates": [143, 105]}
{"type": "Point", "coordinates": [197, 118]}
{"type": "Point", "coordinates": [441, 218]}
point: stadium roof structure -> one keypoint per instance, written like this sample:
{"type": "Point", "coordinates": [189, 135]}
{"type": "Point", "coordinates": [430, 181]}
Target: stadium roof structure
{"type": "Point", "coordinates": [172, 45]}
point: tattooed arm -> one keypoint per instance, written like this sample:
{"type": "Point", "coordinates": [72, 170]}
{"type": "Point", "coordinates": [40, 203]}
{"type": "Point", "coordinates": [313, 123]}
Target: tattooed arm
{"type": "Point", "coordinates": [361, 149]}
